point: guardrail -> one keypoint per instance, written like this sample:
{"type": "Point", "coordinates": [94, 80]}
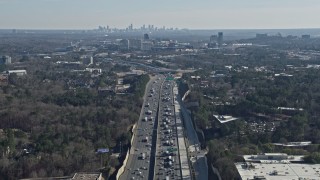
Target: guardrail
{"type": "Point", "coordinates": [122, 168]}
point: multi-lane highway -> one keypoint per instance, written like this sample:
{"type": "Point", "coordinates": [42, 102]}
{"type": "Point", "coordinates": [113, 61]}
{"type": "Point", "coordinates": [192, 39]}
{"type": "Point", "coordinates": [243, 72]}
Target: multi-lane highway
{"type": "Point", "coordinates": [158, 149]}
{"type": "Point", "coordinates": [167, 164]}
{"type": "Point", "coordinates": [140, 162]}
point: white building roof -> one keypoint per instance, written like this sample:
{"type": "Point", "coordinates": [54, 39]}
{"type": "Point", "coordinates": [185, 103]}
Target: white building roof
{"type": "Point", "coordinates": [279, 171]}
{"type": "Point", "coordinates": [224, 119]}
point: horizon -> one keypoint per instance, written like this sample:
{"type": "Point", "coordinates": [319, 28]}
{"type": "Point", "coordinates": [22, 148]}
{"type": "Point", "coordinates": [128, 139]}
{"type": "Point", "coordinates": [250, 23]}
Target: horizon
{"type": "Point", "coordinates": [206, 14]}
{"type": "Point", "coordinates": [189, 29]}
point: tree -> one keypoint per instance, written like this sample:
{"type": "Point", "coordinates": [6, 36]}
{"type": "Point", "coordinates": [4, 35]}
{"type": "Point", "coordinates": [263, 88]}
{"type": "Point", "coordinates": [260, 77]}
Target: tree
{"type": "Point", "coordinates": [313, 158]}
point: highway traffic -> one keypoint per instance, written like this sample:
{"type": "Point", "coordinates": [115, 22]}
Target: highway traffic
{"type": "Point", "coordinates": [167, 164]}
{"type": "Point", "coordinates": [155, 148]}
{"type": "Point", "coordinates": [141, 158]}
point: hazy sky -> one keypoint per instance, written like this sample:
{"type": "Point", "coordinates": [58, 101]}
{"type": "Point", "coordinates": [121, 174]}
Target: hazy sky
{"type": "Point", "coordinates": [193, 14]}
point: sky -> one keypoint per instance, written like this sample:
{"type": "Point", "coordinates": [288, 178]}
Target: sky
{"type": "Point", "coordinates": [191, 14]}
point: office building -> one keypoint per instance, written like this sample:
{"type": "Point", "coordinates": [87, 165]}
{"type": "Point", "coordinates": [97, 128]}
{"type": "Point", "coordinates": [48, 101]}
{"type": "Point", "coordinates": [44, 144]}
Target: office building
{"type": "Point", "coordinates": [146, 36]}
{"type": "Point", "coordinates": [276, 166]}
{"type": "Point", "coordinates": [146, 45]}
{"type": "Point", "coordinates": [220, 39]}
{"type": "Point", "coordinates": [17, 72]}
{"type": "Point", "coordinates": [124, 44]}
{"type": "Point", "coordinates": [5, 60]}
{"type": "Point", "coordinates": [213, 41]}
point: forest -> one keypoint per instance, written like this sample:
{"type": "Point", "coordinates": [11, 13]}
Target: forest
{"type": "Point", "coordinates": [51, 127]}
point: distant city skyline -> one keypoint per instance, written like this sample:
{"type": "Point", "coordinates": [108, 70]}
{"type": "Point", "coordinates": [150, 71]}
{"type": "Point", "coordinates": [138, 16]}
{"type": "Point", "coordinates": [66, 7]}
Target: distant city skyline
{"type": "Point", "coordinates": [203, 14]}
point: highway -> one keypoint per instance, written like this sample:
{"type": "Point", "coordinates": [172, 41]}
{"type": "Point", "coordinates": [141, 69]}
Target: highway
{"type": "Point", "coordinates": [159, 149]}
{"type": "Point", "coordinates": [167, 164]}
{"type": "Point", "coordinates": [141, 159]}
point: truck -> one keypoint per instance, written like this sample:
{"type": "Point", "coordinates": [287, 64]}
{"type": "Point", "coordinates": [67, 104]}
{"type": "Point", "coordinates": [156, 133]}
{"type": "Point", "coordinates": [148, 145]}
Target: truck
{"type": "Point", "coordinates": [143, 155]}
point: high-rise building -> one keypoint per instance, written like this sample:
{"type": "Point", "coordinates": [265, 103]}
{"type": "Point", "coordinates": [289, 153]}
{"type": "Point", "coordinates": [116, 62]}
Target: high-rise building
{"type": "Point", "coordinates": [5, 60]}
{"type": "Point", "coordinates": [213, 39]}
{"type": "Point", "coordinates": [146, 36]}
{"type": "Point", "coordinates": [220, 38]}
{"type": "Point", "coordinates": [124, 44]}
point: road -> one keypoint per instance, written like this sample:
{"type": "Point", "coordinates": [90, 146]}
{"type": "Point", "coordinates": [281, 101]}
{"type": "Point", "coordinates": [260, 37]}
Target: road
{"type": "Point", "coordinates": [159, 150]}
{"type": "Point", "coordinates": [198, 158]}
{"type": "Point", "coordinates": [140, 164]}
{"type": "Point", "coordinates": [167, 165]}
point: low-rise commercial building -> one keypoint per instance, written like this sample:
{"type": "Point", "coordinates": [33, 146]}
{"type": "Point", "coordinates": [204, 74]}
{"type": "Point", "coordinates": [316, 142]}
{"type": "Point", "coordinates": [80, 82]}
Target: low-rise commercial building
{"type": "Point", "coordinates": [17, 72]}
{"type": "Point", "coordinates": [272, 166]}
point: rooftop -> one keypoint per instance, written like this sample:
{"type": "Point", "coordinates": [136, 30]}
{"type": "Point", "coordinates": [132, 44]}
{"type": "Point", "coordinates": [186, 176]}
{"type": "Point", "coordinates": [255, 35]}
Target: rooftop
{"type": "Point", "coordinates": [271, 166]}
{"type": "Point", "coordinates": [273, 158]}
{"type": "Point", "coordinates": [294, 144]}
{"type": "Point", "coordinates": [278, 171]}
{"type": "Point", "coordinates": [224, 119]}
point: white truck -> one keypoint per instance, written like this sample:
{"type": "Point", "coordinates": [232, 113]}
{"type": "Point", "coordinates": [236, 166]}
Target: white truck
{"type": "Point", "coordinates": [143, 155]}
{"type": "Point", "coordinates": [149, 112]}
